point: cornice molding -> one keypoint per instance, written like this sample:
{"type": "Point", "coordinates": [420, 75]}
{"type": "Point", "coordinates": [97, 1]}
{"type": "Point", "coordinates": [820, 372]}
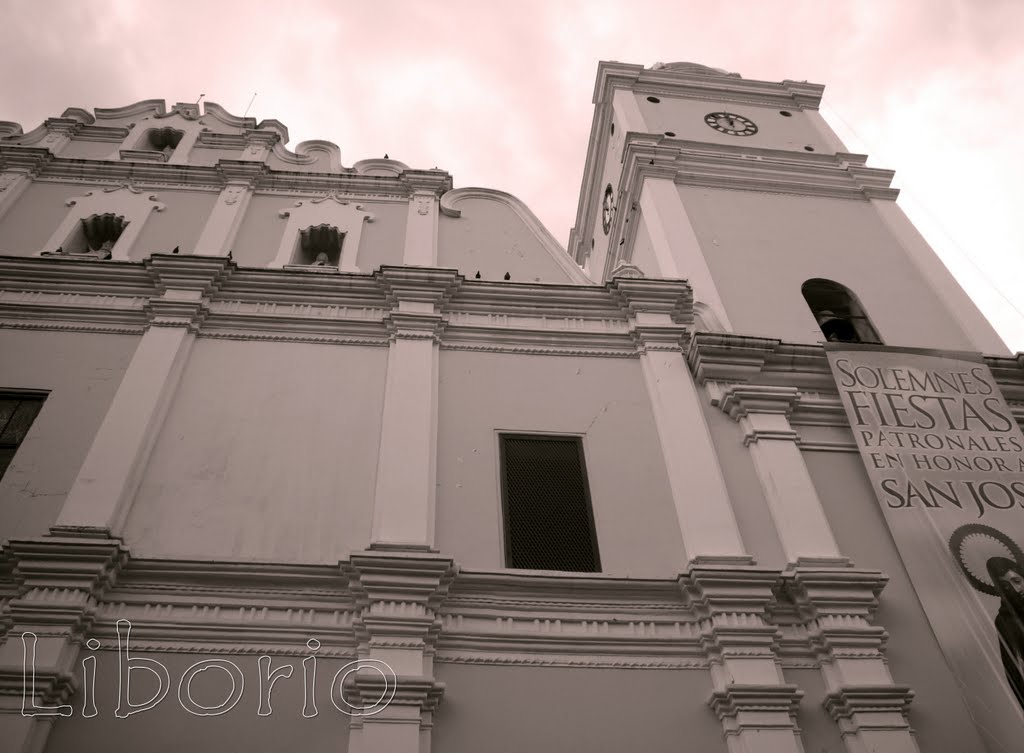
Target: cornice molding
{"type": "Point", "coordinates": [30, 159]}
{"type": "Point", "coordinates": [704, 85]}
{"type": "Point", "coordinates": [104, 134]}
{"type": "Point", "coordinates": [738, 401]}
{"type": "Point", "coordinates": [422, 598]}
{"type": "Point", "coordinates": [555, 659]}
{"type": "Point", "coordinates": [735, 700]}
{"type": "Point", "coordinates": [850, 703]}
{"type": "Point", "coordinates": [149, 169]}
{"type": "Point", "coordinates": [724, 357]}
{"type": "Point", "coordinates": [437, 182]}
{"type": "Point", "coordinates": [736, 369]}
{"type": "Point", "coordinates": [747, 168]}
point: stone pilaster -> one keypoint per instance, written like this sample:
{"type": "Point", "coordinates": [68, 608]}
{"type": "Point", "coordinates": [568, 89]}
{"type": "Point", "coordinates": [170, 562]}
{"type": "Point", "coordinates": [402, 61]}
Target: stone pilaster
{"type": "Point", "coordinates": [59, 133]}
{"type": "Point", "coordinates": [19, 166]}
{"type": "Point", "coordinates": [756, 706]}
{"type": "Point", "coordinates": [99, 499]}
{"type": "Point", "coordinates": [763, 415]}
{"type": "Point", "coordinates": [837, 606]}
{"type": "Point", "coordinates": [425, 189]}
{"type": "Point", "coordinates": [398, 595]}
{"type": "Point", "coordinates": [222, 226]}
{"type": "Point", "coordinates": [659, 311]}
{"type": "Point", "coordinates": [258, 145]}
{"type": "Point", "coordinates": [404, 497]}
{"type": "Point", "coordinates": [60, 582]}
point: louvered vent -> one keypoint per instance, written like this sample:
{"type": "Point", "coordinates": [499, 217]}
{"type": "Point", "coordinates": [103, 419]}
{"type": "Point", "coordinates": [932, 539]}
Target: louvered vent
{"type": "Point", "coordinates": [549, 524]}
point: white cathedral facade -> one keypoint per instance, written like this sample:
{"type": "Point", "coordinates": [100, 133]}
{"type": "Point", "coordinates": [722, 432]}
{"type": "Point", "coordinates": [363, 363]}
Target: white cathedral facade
{"type": "Point", "coordinates": [296, 455]}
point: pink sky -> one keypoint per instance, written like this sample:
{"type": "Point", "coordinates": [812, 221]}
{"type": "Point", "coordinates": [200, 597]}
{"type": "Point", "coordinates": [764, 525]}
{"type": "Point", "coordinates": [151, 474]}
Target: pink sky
{"type": "Point", "coordinates": [500, 94]}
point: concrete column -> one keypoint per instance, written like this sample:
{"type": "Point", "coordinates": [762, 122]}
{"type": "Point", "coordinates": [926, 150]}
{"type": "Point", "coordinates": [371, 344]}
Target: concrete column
{"type": "Point", "coordinates": [421, 230]}
{"type": "Point", "coordinates": [756, 706]}
{"type": "Point", "coordinates": [106, 484]}
{"type": "Point", "coordinates": [704, 511]}
{"type": "Point", "coordinates": [837, 606]}
{"type": "Point", "coordinates": [62, 580]}
{"type": "Point", "coordinates": [404, 497]}
{"type": "Point", "coordinates": [398, 595]}
{"type": "Point", "coordinates": [763, 415]}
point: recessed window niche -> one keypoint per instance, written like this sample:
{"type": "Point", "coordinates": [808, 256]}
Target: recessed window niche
{"type": "Point", "coordinates": [318, 246]}
{"type": "Point", "coordinates": [163, 140]}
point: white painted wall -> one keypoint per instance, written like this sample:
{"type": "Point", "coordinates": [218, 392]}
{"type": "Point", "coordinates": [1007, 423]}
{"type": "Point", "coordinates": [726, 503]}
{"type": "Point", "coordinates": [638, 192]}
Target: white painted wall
{"type": "Point", "coordinates": [268, 453]}
{"type": "Point", "coordinates": [604, 400]}
{"type": "Point", "coordinates": [82, 372]}
{"type": "Point", "coordinates": [761, 247]}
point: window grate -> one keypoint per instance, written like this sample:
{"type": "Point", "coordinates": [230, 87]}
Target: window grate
{"type": "Point", "coordinates": [17, 412]}
{"type": "Point", "coordinates": [549, 523]}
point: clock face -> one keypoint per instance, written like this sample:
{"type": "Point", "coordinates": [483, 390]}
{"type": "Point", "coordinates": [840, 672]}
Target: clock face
{"type": "Point", "coordinates": [730, 123]}
{"type": "Point", "coordinates": [607, 207]}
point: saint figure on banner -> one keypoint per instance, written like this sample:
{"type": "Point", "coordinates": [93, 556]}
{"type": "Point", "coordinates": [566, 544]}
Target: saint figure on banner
{"type": "Point", "coordinates": [993, 563]}
{"type": "Point", "coordinates": [1006, 575]}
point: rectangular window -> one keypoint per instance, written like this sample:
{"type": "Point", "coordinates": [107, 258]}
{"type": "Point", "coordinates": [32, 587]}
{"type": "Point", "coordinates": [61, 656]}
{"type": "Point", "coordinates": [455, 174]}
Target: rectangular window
{"type": "Point", "coordinates": [17, 412]}
{"type": "Point", "coordinates": [549, 522]}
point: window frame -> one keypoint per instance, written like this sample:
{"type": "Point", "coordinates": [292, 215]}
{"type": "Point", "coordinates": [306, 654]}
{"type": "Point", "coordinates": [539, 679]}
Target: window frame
{"type": "Point", "coordinates": [865, 329]}
{"type": "Point", "coordinates": [577, 440]}
{"type": "Point", "coordinates": [39, 396]}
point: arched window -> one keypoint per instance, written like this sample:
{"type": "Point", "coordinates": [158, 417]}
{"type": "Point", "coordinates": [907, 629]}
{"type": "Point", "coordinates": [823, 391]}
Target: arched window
{"type": "Point", "coordinates": [838, 312]}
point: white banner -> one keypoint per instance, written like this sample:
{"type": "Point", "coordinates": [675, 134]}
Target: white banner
{"type": "Point", "coordinates": [946, 460]}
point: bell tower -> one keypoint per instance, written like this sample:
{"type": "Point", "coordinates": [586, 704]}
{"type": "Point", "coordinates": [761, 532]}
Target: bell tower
{"type": "Point", "coordinates": [740, 187]}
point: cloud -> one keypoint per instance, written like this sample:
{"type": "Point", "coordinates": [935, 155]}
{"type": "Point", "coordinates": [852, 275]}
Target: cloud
{"type": "Point", "coordinates": [500, 94]}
